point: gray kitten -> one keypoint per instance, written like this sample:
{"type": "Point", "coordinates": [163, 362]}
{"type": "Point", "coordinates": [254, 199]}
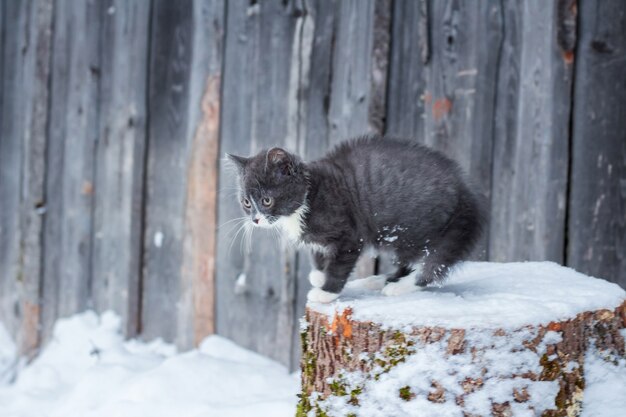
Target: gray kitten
{"type": "Point", "coordinates": [388, 194]}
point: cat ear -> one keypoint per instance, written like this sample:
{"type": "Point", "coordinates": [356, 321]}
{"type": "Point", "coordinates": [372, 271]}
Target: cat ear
{"type": "Point", "coordinates": [281, 160]}
{"type": "Point", "coordinates": [239, 162]}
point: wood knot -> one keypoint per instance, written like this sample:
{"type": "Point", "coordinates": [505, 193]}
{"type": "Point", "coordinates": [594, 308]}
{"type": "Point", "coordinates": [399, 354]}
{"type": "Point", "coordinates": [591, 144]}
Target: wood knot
{"type": "Point", "coordinates": [342, 323]}
{"type": "Point", "coordinates": [441, 107]}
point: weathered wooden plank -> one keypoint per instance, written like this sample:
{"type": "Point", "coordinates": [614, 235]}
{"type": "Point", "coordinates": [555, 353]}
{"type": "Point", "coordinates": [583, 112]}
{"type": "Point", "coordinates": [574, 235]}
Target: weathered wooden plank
{"type": "Point", "coordinates": [258, 74]}
{"type": "Point", "coordinates": [597, 201]}
{"type": "Point", "coordinates": [352, 75]}
{"type": "Point", "coordinates": [236, 118]}
{"type": "Point", "coordinates": [442, 83]}
{"type": "Point", "coordinates": [313, 140]}
{"type": "Point", "coordinates": [461, 85]}
{"type": "Point", "coordinates": [170, 66]}
{"type": "Point", "coordinates": [120, 160]}
{"type": "Point", "coordinates": [23, 149]}
{"type": "Point", "coordinates": [407, 81]}
{"type": "Point", "coordinates": [406, 84]}
{"type": "Point", "coordinates": [13, 39]}
{"type": "Point", "coordinates": [35, 90]}
{"type": "Point", "coordinates": [197, 319]}
{"type": "Point", "coordinates": [185, 78]}
{"type": "Point", "coordinates": [532, 131]}
{"type": "Point", "coordinates": [359, 76]}
{"type": "Point", "coordinates": [73, 132]}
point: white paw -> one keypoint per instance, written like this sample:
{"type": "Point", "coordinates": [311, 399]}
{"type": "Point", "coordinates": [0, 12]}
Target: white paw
{"type": "Point", "coordinates": [317, 295]}
{"type": "Point", "coordinates": [317, 278]}
{"type": "Point", "coordinates": [406, 285]}
{"type": "Point", "coordinates": [375, 282]}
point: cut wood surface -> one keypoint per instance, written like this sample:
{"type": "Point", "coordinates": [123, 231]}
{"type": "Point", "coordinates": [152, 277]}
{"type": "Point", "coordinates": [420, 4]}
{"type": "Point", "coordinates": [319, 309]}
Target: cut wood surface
{"type": "Point", "coordinates": [497, 339]}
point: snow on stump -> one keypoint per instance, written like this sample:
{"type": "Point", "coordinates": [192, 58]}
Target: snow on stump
{"type": "Point", "coordinates": [494, 340]}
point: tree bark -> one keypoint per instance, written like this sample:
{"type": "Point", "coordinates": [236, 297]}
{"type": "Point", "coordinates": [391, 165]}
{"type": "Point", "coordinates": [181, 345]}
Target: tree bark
{"type": "Point", "coordinates": [344, 358]}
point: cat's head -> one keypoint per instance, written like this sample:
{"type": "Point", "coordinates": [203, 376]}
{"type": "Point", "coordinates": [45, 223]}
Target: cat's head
{"type": "Point", "coordinates": [272, 185]}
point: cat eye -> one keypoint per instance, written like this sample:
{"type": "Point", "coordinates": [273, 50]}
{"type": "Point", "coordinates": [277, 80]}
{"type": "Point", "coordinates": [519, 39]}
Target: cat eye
{"type": "Point", "coordinates": [267, 201]}
{"type": "Point", "coordinates": [246, 203]}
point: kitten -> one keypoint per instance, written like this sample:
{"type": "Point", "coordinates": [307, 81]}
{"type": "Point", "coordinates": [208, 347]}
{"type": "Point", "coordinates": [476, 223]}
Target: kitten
{"type": "Point", "coordinates": [368, 192]}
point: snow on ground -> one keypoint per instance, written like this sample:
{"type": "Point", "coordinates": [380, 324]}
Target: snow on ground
{"type": "Point", "coordinates": [7, 355]}
{"type": "Point", "coordinates": [87, 370]}
{"type": "Point", "coordinates": [605, 390]}
{"type": "Point", "coordinates": [484, 295]}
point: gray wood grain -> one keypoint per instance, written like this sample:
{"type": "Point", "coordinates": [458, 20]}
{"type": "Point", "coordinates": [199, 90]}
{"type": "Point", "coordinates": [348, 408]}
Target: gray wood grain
{"type": "Point", "coordinates": [357, 96]}
{"type": "Point", "coordinates": [25, 57]}
{"type": "Point", "coordinates": [119, 160]}
{"type": "Point", "coordinates": [461, 78]}
{"type": "Point", "coordinates": [260, 68]}
{"type": "Point", "coordinates": [597, 200]}
{"type": "Point", "coordinates": [442, 83]}
{"type": "Point", "coordinates": [168, 147]}
{"type": "Point", "coordinates": [197, 302]}
{"type": "Point", "coordinates": [13, 34]}
{"type": "Point", "coordinates": [407, 83]}
{"type": "Point", "coordinates": [314, 140]}
{"type": "Point", "coordinates": [184, 105]}
{"type": "Point", "coordinates": [72, 138]}
{"type": "Point", "coordinates": [532, 129]}
{"type": "Point", "coordinates": [35, 94]}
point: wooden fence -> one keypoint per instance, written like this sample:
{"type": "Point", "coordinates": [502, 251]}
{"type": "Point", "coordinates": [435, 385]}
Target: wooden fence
{"type": "Point", "coordinates": [114, 115]}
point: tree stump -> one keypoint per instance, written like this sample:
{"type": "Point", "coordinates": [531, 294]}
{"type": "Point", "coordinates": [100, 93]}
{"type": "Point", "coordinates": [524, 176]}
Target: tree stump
{"type": "Point", "coordinates": [495, 339]}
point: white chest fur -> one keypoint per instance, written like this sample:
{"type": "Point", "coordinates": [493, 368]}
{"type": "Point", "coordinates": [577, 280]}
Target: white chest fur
{"type": "Point", "coordinates": [293, 225]}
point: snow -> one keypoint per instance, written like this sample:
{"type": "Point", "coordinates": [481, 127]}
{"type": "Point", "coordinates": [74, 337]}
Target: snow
{"type": "Point", "coordinates": [605, 389]}
{"type": "Point", "coordinates": [8, 354]}
{"type": "Point", "coordinates": [484, 295]}
{"type": "Point", "coordinates": [88, 370]}
{"type": "Point", "coordinates": [495, 361]}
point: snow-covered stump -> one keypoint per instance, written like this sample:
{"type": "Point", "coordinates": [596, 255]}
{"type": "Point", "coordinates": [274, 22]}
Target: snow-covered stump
{"type": "Point", "coordinates": [495, 340]}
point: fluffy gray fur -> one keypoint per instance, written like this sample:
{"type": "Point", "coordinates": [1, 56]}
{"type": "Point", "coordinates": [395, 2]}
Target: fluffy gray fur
{"type": "Point", "coordinates": [386, 193]}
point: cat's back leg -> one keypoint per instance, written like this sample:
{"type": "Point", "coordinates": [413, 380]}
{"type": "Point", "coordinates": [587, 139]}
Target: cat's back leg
{"type": "Point", "coordinates": [454, 245]}
{"type": "Point", "coordinates": [402, 280]}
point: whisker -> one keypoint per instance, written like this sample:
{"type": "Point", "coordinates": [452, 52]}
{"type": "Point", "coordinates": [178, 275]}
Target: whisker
{"type": "Point", "coordinates": [246, 241]}
{"type": "Point", "coordinates": [231, 220]}
{"type": "Point", "coordinates": [232, 242]}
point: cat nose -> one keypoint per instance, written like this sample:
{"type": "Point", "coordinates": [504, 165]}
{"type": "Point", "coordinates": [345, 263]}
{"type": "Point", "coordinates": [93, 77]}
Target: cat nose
{"type": "Point", "coordinates": [256, 221]}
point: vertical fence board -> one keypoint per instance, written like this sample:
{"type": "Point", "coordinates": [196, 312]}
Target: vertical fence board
{"type": "Point", "coordinates": [408, 56]}
{"type": "Point", "coordinates": [257, 72]}
{"type": "Point", "coordinates": [168, 147]}
{"type": "Point", "coordinates": [70, 170]}
{"type": "Point", "coordinates": [359, 78]}
{"type": "Point", "coordinates": [314, 141]}
{"type": "Point", "coordinates": [197, 303]}
{"type": "Point", "coordinates": [465, 42]}
{"type": "Point", "coordinates": [532, 130]}
{"type": "Point", "coordinates": [35, 92]}
{"type": "Point", "coordinates": [11, 151]}
{"type": "Point", "coordinates": [181, 172]}
{"type": "Point", "coordinates": [444, 62]}
{"type": "Point", "coordinates": [120, 160]}
{"type": "Point", "coordinates": [236, 117]}
{"type": "Point", "coordinates": [271, 283]}
{"type": "Point", "coordinates": [597, 203]}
